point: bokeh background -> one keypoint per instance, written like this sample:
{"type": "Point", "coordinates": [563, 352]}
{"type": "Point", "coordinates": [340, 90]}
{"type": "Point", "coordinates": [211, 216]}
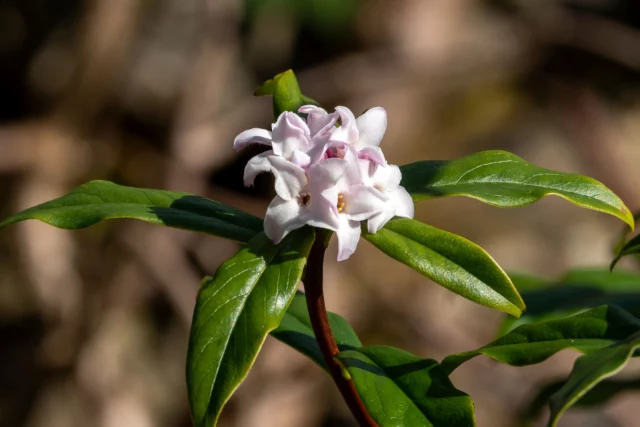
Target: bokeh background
{"type": "Point", "coordinates": [150, 93]}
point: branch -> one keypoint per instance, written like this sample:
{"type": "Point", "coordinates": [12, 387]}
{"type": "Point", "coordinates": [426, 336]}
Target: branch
{"type": "Point", "coordinates": [322, 330]}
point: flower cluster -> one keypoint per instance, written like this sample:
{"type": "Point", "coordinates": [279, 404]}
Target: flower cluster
{"type": "Point", "coordinates": [329, 172]}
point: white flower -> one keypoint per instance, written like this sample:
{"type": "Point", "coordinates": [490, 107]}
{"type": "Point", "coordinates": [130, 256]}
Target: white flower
{"type": "Point", "coordinates": [327, 176]}
{"type": "Point", "coordinates": [386, 179]}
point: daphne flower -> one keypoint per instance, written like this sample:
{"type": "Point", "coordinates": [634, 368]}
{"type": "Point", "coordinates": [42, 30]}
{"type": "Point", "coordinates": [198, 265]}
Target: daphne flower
{"type": "Point", "coordinates": [290, 139]}
{"type": "Point", "coordinates": [306, 205]}
{"type": "Point", "coordinates": [364, 133]}
{"type": "Point", "coordinates": [386, 180]}
{"type": "Point", "coordinates": [351, 201]}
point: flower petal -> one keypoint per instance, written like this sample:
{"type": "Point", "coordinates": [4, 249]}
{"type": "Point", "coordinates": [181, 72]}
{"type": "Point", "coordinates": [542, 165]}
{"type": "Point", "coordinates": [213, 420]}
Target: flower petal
{"type": "Point", "coordinates": [348, 235]}
{"type": "Point", "coordinates": [403, 202]}
{"type": "Point", "coordinates": [378, 221]}
{"type": "Point", "coordinates": [362, 202]}
{"type": "Point", "coordinates": [373, 154]}
{"type": "Point", "coordinates": [319, 121]}
{"type": "Point", "coordinates": [301, 159]}
{"type": "Point", "coordinates": [348, 131]}
{"type": "Point", "coordinates": [325, 174]}
{"type": "Point", "coordinates": [372, 126]}
{"type": "Point", "coordinates": [252, 136]}
{"type": "Point", "coordinates": [283, 216]}
{"type": "Point", "coordinates": [256, 165]}
{"type": "Point", "coordinates": [290, 178]}
{"type": "Point", "coordinates": [290, 133]}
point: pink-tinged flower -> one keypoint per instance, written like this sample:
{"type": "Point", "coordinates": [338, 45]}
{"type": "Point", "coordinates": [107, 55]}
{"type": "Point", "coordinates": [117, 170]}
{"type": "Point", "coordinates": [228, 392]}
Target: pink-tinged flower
{"type": "Point", "coordinates": [386, 180]}
{"type": "Point", "coordinates": [364, 133]}
{"type": "Point", "coordinates": [306, 205]}
{"type": "Point", "coordinates": [290, 138]}
{"type": "Point", "coordinates": [351, 201]}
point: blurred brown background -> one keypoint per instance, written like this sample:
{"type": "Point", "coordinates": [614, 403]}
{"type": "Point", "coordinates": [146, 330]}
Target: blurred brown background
{"type": "Point", "coordinates": [94, 323]}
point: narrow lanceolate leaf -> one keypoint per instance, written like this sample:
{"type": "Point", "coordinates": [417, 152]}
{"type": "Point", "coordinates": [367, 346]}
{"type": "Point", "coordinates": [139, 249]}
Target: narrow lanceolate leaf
{"type": "Point", "coordinates": [588, 371]}
{"type": "Point", "coordinates": [295, 330]}
{"type": "Point", "coordinates": [575, 291]}
{"type": "Point", "coordinates": [99, 200]}
{"type": "Point", "coordinates": [286, 93]}
{"type": "Point", "coordinates": [533, 343]}
{"type": "Point", "coordinates": [505, 180]}
{"type": "Point", "coordinates": [600, 394]}
{"type": "Point", "coordinates": [235, 310]}
{"type": "Point", "coordinates": [402, 390]}
{"type": "Point", "coordinates": [632, 247]}
{"type": "Point", "coordinates": [450, 260]}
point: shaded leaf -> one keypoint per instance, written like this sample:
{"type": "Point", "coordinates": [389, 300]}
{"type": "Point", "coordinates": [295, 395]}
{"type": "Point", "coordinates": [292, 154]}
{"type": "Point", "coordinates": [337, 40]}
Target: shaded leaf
{"type": "Point", "coordinates": [588, 371]}
{"type": "Point", "coordinates": [533, 343]}
{"type": "Point", "coordinates": [598, 395]}
{"type": "Point", "coordinates": [402, 390]}
{"type": "Point", "coordinates": [96, 201]}
{"type": "Point", "coordinates": [295, 330]}
{"type": "Point", "coordinates": [505, 180]}
{"type": "Point", "coordinates": [286, 93]}
{"type": "Point", "coordinates": [632, 247]}
{"type": "Point", "coordinates": [577, 290]}
{"type": "Point", "coordinates": [450, 260]}
{"type": "Point", "coordinates": [235, 310]}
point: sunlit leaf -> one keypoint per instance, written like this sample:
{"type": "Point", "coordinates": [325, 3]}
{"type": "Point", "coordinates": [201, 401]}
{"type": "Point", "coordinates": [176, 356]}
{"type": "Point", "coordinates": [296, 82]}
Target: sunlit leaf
{"type": "Point", "coordinates": [286, 93]}
{"type": "Point", "coordinates": [533, 343]}
{"type": "Point", "coordinates": [235, 310]}
{"type": "Point", "coordinates": [402, 390]}
{"type": "Point", "coordinates": [450, 260]}
{"type": "Point", "coordinates": [505, 180]}
{"type": "Point", "coordinates": [96, 201]}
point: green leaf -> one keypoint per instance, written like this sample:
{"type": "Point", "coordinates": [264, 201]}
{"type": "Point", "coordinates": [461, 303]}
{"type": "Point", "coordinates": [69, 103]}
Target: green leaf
{"type": "Point", "coordinates": [235, 310]}
{"type": "Point", "coordinates": [450, 260]}
{"type": "Point", "coordinates": [295, 330]}
{"type": "Point", "coordinates": [575, 291]}
{"type": "Point", "coordinates": [402, 390]}
{"type": "Point", "coordinates": [286, 93]}
{"type": "Point", "coordinates": [535, 342]}
{"type": "Point", "coordinates": [632, 247]}
{"type": "Point", "coordinates": [588, 371]}
{"type": "Point", "coordinates": [99, 200]}
{"type": "Point", "coordinates": [599, 395]}
{"type": "Point", "coordinates": [505, 180]}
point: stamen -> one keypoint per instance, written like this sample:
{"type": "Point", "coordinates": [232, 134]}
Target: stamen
{"type": "Point", "coordinates": [305, 198]}
{"type": "Point", "coordinates": [341, 205]}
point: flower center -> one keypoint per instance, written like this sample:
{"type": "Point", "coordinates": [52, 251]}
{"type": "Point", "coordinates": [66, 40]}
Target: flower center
{"type": "Point", "coordinates": [304, 199]}
{"type": "Point", "coordinates": [340, 205]}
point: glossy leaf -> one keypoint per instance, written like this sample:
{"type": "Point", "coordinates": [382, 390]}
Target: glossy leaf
{"type": "Point", "coordinates": [96, 201]}
{"type": "Point", "coordinates": [632, 247]}
{"type": "Point", "coordinates": [533, 343]}
{"type": "Point", "coordinates": [505, 180]}
{"type": "Point", "coordinates": [295, 330]}
{"type": "Point", "coordinates": [588, 371]}
{"type": "Point", "coordinates": [286, 93]}
{"type": "Point", "coordinates": [575, 291]}
{"type": "Point", "coordinates": [402, 390]}
{"type": "Point", "coordinates": [235, 310]}
{"type": "Point", "coordinates": [450, 260]}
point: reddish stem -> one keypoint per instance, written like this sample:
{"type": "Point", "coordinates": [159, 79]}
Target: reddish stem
{"type": "Point", "coordinates": [322, 330]}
